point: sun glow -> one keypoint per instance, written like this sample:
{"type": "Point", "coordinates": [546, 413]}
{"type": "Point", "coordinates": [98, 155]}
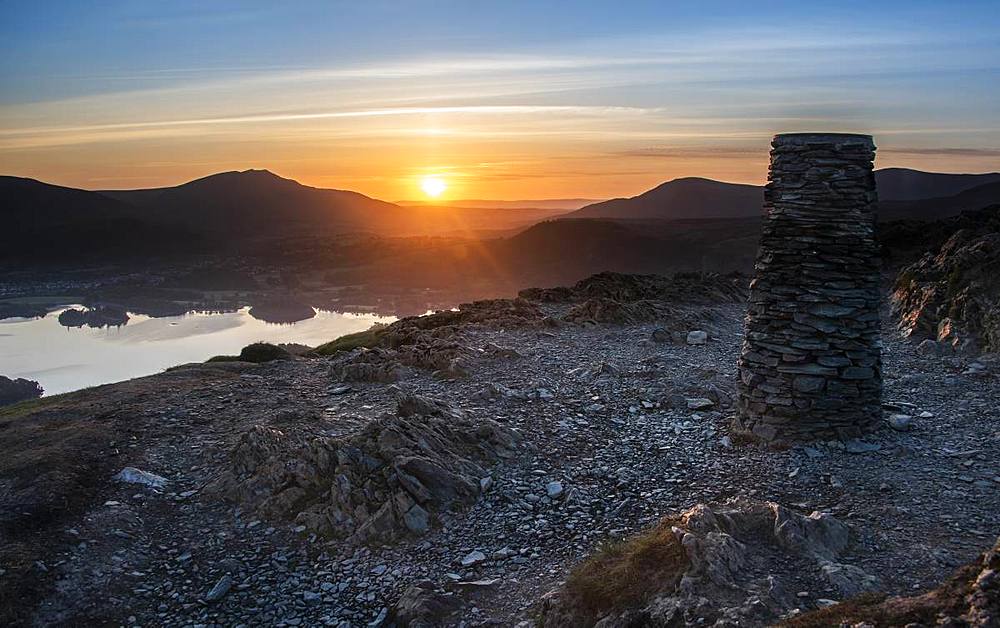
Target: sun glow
{"type": "Point", "coordinates": [433, 186]}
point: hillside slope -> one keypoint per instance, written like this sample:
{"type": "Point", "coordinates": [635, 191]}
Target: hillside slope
{"type": "Point", "coordinates": [43, 222]}
{"type": "Point", "coordinates": [902, 194]}
{"type": "Point", "coordinates": [690, 197]}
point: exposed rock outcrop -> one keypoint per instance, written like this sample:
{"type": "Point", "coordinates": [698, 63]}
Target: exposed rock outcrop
{"type": "Point", "coordinates": [606, 310]}
{"type": "Point", "coordinates": [434, 342]}
{"type": "Point", "coordinates": [738, 564]}
{"type": "Point", "coordinates": [626, 288]}
{"type": "Point", "coordinates": [398, 474]}
{"type": "Point", "coordinates": [952, 296]}
{"type": "Point", "coordinates": [969, 599]}
{"type": "Point", "coordinates": [423, 606]}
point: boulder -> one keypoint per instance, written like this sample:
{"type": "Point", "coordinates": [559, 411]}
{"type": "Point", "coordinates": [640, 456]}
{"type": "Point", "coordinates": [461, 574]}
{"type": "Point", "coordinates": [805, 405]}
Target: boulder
{"type": "Point", "coordinates": [697, 337]}
{"type": "Point", "coordinates": [391, 479]}
{"type": "Point", "coordinates": [706, 563]}
{"type": "Point", "coordinates": [952, 295]}
{"type": "Point", "coordinates": [605, 310]}
{"type": "Point", "coordinates": [970, 598]}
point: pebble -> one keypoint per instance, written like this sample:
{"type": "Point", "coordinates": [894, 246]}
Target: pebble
{"type": "Point", "coordinates": [473, 558]}
{"type": "Point", "coordinates": [697, 337]}
{"type": "Point", "coordinates": [900, 422]}
{"type": "Point", "coordinates": [220, 589]}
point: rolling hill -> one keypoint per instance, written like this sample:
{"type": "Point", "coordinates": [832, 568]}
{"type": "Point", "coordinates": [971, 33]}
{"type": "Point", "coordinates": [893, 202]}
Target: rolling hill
{"type": "Point", "coordinates": [255, 212]}
{"type": "Point", "coordinates": [253, 202]}
{"type": "Point", "coordinates": [256, 201]}
{"type": "Point", "coordinates": [690, 197]}
{"type": "Point", "coordinates": [903, 193]}
{"type": "Point", "coordinates": [226, 211]}
{"type": "Point", "coordinates": [48, 222]}
{"type": "Point", "coordinates": [904, 184]}
{"type": "Point", "coordinates": [935, 208]}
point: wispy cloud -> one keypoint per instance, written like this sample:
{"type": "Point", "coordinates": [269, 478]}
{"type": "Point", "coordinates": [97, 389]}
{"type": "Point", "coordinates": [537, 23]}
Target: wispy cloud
{"type": "Point", "coordinates": [945, 152]}
{"type": "Point", "coordinates": [682, 152]}
{"type": "Point", "coordinates": [622, 108]}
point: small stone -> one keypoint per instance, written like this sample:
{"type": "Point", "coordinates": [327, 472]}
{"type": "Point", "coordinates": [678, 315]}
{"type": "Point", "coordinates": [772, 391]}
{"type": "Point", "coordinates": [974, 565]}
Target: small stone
{"type": "Point", "coordinates": [311, 597]}
{"type": "Point", "coordinates": [554, 489]}
{"type": "Point", "coordinates": [131, 475]}
{"type": "Point", "coordinates": [855, 446]}
{"type": "Point", "coordinates": [473, 558]}
{"type": "Point", "coordinates": [220, 589]}
{"type": "Point", "coordinates": [699, 403]}
{"type": "Point", "coordinates": [807, 384]}
{"type": "Point", "coordinates": [485, 484]}
{"type": "Point", "coordinates": [857, 372]}
{"type": "Point", "coordinates": [697, 337]}
{"type": "Point", "coordinates": [417, 519]}
{"type": "Point", "coordinates": [900, 422]}
{"type": "Point", "coordinates": [379, 619]}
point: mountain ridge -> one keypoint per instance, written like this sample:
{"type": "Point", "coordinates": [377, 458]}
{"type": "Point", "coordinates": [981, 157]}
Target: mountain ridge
{"type": "Point", "coordinates": [699, 197]}
{"type": "Point", "coordinates": [239, 210]}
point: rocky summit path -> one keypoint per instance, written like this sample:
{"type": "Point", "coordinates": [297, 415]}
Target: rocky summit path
{"type": "Point", "coordinates": [615, 429]}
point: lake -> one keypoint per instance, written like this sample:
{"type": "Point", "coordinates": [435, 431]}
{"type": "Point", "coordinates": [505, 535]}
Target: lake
{"type": "Point", "coordinates": [63, 358]}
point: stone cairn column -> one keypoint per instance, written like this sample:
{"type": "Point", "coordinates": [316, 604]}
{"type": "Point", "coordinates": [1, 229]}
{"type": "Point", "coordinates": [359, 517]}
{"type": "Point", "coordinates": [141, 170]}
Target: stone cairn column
{"type": "Point", "coordinates": [810, 367]}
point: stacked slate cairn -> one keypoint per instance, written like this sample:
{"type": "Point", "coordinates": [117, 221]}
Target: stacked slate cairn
{"type": "Point", "coordinates": [810, 366]}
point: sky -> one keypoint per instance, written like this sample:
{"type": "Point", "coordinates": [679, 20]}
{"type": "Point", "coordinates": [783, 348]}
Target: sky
{"type": "Point", "coordinates": [499, 100]}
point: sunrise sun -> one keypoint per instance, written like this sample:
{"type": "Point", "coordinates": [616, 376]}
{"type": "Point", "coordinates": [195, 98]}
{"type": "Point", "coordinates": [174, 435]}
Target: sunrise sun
{"type": "Point", "coordinates": [433, 186]}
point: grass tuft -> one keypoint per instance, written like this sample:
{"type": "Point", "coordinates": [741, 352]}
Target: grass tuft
{"type": "Point", "coordinates": [368, 339]}
{"type": "Point", "coordinates": [625, 574]}
{"type": "Point", "coordinates": [224, 358]}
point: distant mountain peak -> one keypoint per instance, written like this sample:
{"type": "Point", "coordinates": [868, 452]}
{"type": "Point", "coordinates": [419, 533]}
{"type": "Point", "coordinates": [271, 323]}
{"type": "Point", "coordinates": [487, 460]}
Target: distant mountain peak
{"type": "Point", "coordinates": [251, 174]}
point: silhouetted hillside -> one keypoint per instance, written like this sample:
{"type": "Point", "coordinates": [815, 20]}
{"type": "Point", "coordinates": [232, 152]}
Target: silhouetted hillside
{"type": "Point", "coordinates": [559, 251]}
{"type": "Point", "coordinates": [902, 193]}
{"type": "Point", "coordinates": [904, 184]}
{"type": "Point", "coordinates": [259, 203]}
{"type": "Point", "coordinates": [682, 198]}
{"type": "Point", "coordinates": [936, 208]}
{"type": "Point", "coordinates": [256, 202]}
{"type": "Point", "coordinates": [50, 223]}
{"type": "Point", "coordinates": [686, 224]}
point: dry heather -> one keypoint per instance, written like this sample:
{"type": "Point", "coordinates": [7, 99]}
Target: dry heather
{"type": "Point", "coordinates": [627, 573]}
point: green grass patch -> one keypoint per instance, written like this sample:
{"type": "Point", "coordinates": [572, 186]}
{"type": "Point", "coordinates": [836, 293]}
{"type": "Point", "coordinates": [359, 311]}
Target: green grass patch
{"type": "Point", "coordinates": [368, 339]}
{"type": "Point", "coordinates": [224, 358]}
{"type": "Point", "coordinates": [22, 408]}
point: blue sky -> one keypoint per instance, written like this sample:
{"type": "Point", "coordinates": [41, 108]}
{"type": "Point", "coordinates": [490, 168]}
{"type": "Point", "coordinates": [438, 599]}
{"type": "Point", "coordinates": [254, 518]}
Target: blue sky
{"type": "Point", "coordinates": [507, 100]}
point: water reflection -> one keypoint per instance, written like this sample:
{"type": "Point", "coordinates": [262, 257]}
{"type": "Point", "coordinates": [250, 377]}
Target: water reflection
{"type": "Point", "coordinates": [68, 358]}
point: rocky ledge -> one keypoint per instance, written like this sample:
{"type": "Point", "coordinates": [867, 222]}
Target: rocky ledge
{"type": "Point", "coordinates": [950, 297]}
{"type": "Point", "coordinates": [399, 475]}
{"type": "Point", "coordinates": [736, 564]}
